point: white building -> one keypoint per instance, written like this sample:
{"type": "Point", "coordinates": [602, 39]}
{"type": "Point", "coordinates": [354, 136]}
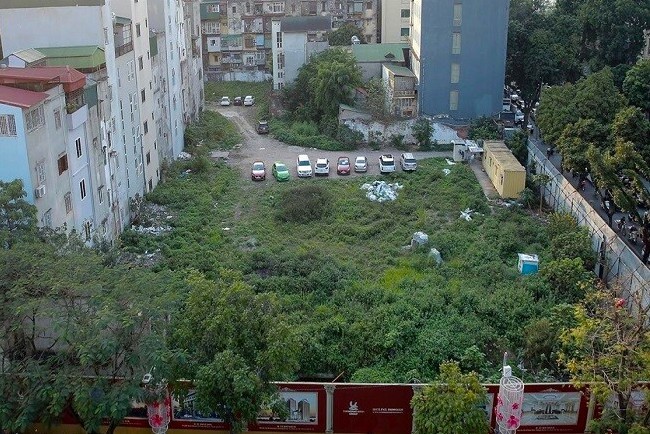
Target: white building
{"type": "Point", "coordinates": [295, 40]}
{"type": "Point", "coordinates": [395, 22]}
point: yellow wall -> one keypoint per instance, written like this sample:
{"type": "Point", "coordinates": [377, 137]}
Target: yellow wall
{"type": "Point", "coordinates": [505, 172]}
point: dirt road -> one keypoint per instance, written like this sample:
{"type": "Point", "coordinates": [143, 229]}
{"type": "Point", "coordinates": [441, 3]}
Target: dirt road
{"type": "Point", "coordinates": [265, 148]}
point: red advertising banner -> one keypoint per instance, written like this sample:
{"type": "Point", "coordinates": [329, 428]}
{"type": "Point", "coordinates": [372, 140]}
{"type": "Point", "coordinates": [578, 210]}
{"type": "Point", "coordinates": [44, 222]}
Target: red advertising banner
{"type": "Point", "coordinates": [372, 409]}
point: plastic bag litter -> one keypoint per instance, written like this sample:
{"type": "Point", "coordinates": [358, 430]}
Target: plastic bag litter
{"type": "Point", "coordinates": [420, 238]}
{"type": "Point", "coordinates": [450, 162]}
{"type": "Point", "coordinates": [446, 171]}
{"type": "Point", "coordinates": [467, 214]}
{"type": "Point", "coordinates": [380, 191]}
{"type": "Point", "coordinates": [435, 254]}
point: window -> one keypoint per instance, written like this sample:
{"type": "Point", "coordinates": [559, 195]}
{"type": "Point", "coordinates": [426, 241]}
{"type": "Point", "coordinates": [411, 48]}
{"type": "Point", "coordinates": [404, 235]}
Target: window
{"type": "Point", "coordinates": [137, 30]}
{"type": "Point", "coordinates": [67, 199]}
{"type": "Point", "coordinates": [405, 32]}
{"type": "Point", "coordinates": [280, 60]}
{"type": "Point", "coordinates": [406, 13]}
{"type": "Point", "coordinates": [369, 5]}
{"type": "Point", "coordinates": [278, 39]}
{"type": "Point", "coordinates": [34, 119]}
{"type": "Point", "coordinates": [455, 43]}
{"type": "Point", "coordinates": [62, 163]}
{"type": "Point", "coordinates": [234, 9]}
{"type": "Point", "coordinates": [248, 8]}
{"type": "Point", "coordinates": [150, 185]}
{"type": "Point", "coordinates": [57, 119]}
{"type": "Point", "coordinates": [278, 7]}
{"type": "Point", "coordinates": [143, 95]}
{"type": "Point", "coordinates": [47, 218]}
{"type": "Point", "coordinates": [453, 100]}
{"type": "Point", "coordinates": [78, 147]}
{"type": "Point", "coordinates": [100, 194]}
{"type": "Point", "coordinates": [214, 8]}
{"type": "Point", "coordinates": [145, 127]}
{"type": "Point", "coordinates": [87, 232]}
{"type": "Point", "coordinates": [40, 173]}
{"type": "Point", "coordinates": [131, 72]}
{"type": "Point", "coordinates": [82, 188]}
{"type": "Point", "coordinates": [458, 14]}
{"type": "Point", "coordinates": [7, 125]}
{"type": "Point", "coordinates": [140, 63]}
{"type": "Point", "coordinates": [455, 72]}
{"type": "Point", "coordinates": [323, 6]}
{"type": "Point", "coordinates": [148, 157]}
{"type": "Point", "coordinates": [211, 27]}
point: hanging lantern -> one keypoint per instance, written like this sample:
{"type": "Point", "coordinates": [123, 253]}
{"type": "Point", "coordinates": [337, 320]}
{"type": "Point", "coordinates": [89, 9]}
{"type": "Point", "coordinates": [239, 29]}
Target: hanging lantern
{"type": "Point", "coordinates": [158, 413]}
{"type": "Point", "coordinates": [509, 400]}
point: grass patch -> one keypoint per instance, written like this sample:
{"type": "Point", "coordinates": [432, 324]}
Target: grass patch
{"type": "Point", "coordinates": [212, 131]}
{"type": "Point", "coordinates": [214, 90]}
{"type": "Point", "coordinates": [360, 300]}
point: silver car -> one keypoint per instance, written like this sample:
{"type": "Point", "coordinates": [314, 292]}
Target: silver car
{"type": "Point", "coordinates": [360, 164]}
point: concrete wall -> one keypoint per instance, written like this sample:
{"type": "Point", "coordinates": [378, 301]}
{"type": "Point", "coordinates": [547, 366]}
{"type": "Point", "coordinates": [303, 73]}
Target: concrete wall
{"type": "Point", "coordinates": [392, 21]}
{"type": "Point", "coordinates": [482, 56]}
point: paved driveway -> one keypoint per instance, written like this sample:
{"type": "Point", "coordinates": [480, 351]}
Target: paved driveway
{"type": "Point", "coordinates": [265, 148]}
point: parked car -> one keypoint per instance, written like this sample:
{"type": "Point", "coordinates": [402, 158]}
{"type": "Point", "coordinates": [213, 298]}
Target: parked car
{"type": "Point", "coordinates": [303, 166]}
{"type": "Point", "coordinates": [322, 167]}
{"type": "Point", "coordinates": [249, 100]}
{"type": "Point", "coordinates": [386, 163]}
{"type": "Point", "coordinates": [225, 101]}
{"type": "Point", "coordinates": [262, 127]}
{"type": "Point", "coordinates": [361, 164]}
{"type": "Point", "coordinates": [408, 162]}
{"type": "Point", "coordinates": [519, 117]}
{"type": "Point", "coordinates": [258, 171]}
{"type": "Point", "coordinates": [280, 171]}
{"type": "Point", "coordinates": [343, 166]}
{"type": "Point", "coordinates": [238, 101]}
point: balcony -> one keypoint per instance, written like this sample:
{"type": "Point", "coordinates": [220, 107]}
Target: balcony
{"type": "Point", "coordinates": [123, 49]}
{"type": "Point", "coordinates": [403, 93]}
{"type": "Point", "coordinates": [76, 116]}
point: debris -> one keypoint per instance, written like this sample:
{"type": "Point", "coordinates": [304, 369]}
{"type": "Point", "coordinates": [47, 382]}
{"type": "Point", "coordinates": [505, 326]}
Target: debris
{"type": "Point", "coordinates": [446, 171]}
{"type": "Point", "coordinates": [226, 229]}
{"type": "Point", "coordinates": [435, 254]}
{"type": "Point", "coordinates": [528, 264]}
{"type": "Point", "coordinates": [220, 155]}
{"type": "Point", "coordinates": [380, 191]}
{"type": "Point", "coordinates": [467, 214]}
{"type": "Point", "coordinates": [151, 230]}
{"type": "Point", "coordinates": [184, 156]}
{"type": "Point", "coordinates": [419, 239]}
{"type": "Point", "coordinates": [450, 162]}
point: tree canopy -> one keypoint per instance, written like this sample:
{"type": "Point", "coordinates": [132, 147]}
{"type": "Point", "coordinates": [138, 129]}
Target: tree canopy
{"type": "Point", "coordinates": [343, 35]}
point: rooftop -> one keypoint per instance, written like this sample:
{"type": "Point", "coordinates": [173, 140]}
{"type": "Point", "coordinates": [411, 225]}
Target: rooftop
{"type": "Point", "coordinates": [306, 24]}
{"type": "Point", "coordinates": [20, 4]}
{"type": "Point", "coordinates": [379, 52]}
{"type": "Point", "coordinates": [401, 71]}
{"type": "Point", "coordinates": [20, 97]}
{"type": "Point", "coordinates": [29, 55]}
{"type": "Point", "coordinates": [80, 57]}
{"type": "Point", "coordinates": [502, 153]}
{"type": "Point", "coordinates": [70, 78]}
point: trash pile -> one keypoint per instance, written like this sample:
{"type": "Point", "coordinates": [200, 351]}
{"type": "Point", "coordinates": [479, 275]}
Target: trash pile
{"type": "Point", "coordinates": [419, 239]}
{"type": "Point", "coordinates": [467, 214]}
{"type": "Point", "coordinates": [381, 191]}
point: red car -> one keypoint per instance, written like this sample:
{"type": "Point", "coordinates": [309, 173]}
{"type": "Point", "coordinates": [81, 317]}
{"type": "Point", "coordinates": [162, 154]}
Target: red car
{"type": "Point", "coordinates": [343, 166]}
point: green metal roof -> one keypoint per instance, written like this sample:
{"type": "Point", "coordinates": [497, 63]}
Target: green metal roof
{"type": "Point", "coordinates": [402, 71]}
{"type": "Point", "coordinates": [79, 57]}
{"type": "Point", "coordinates": [122, 21]}
{"type": "Point", "coordinates": [379, 52]}
{"type": "Point", "coordinates": [205, 15]}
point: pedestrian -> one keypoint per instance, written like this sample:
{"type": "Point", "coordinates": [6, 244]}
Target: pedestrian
{"type": "Point", "coordinates": [549, 152]}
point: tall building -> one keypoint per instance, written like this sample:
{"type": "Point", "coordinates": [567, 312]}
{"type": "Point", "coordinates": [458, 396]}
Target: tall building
{"type": "Point", "coordinates": [238, 34]}
{"type": "Point", "coordinates": [458, 55]}
{"type": "Point", "coordinates": [394, 21]}
{"type": "Point", "coordinates": [131, 125]}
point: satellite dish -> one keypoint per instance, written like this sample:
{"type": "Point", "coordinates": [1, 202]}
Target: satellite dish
{"type": "Point", "coordinates": [355, 40]}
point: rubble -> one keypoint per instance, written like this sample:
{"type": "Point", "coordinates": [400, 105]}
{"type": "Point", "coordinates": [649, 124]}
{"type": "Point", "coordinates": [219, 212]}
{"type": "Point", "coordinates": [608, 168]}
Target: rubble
{"type": "Point", "coordinates": [419, 239]}
{"type": "Point", "coordinates": [184, 156]}
{"type": "Point", "coordinates": [446, 171]}
{"type": "Point", "coordinates": [467, 214]}
{"type": "Point", "coordinates": [435, 254]}
{"type": "Point", "coordinates": [151, 230]}
{"type": "Point", "coordinates": [381, 191]}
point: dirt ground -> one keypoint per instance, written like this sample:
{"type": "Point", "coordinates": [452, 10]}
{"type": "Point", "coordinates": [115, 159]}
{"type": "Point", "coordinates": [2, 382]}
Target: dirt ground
{"type": "Point", "coordinates": [256, 147]}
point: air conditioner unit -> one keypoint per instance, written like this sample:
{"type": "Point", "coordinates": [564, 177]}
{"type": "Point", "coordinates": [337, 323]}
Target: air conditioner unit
{"type": "Point", "coordinates": [40, 191]}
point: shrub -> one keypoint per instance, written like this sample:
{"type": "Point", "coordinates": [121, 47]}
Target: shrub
{"type": "Point", "coordinates": [349, 138]}
{"type": "Point", "coordinates": [304, 204]}
{"type": "Point", "coordinates": [397, 140]}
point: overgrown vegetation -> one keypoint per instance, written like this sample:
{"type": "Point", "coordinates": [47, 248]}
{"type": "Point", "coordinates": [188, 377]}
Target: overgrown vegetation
{"type": "Point", "coordinates": [212, 131]}
{"type": "Point", "coordinates": [260, 90]}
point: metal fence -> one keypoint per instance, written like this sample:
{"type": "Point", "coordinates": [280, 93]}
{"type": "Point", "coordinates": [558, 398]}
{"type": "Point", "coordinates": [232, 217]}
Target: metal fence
{"type": "Point", "coordinates": [617, 262]}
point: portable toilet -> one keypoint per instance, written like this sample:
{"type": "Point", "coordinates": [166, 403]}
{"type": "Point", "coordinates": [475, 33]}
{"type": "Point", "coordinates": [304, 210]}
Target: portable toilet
{"type": "Point", "coordinates": [528, 264]}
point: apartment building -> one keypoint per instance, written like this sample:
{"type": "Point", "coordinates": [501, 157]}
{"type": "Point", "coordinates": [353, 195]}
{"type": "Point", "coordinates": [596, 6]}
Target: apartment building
{"type": "Point", "coordinates": [296, 39]}
{"type": "Point", "coordinates": [124, 121]}
{"type": "Point", "coordinates": [458, 54]}
{"type": "Point", "coordinates": [394, 21]}
{"type": "Point", "coordinates": [238, 35]}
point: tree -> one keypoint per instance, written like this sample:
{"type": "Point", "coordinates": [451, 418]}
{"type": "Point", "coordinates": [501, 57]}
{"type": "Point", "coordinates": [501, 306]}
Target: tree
{"type": "Point", "coordinates": [234, 342]}
{"type": "Point", "coordinates": [636, 85]}
{"type": "Point", "coordinates": [518, 144]}
{"type": "Point", "coordinates": [422, 130]}
{"type": "Point", "coordinates": [597, 97]}
{"type": "Point", "coordinates": [607, 349]}
{"type": "Point", "coordinates": [343, 35]}
{"type": "Point", "coordinates": [576, 138]}
{"type": "Point", "coordinates": [556, 111]}
{"type": "Point", "coordinates": [377, 100]}
{"type": "Point", "coordinates": [483, 128]}
{"type": "Point", "coordinates": [78, 336]}
{"type": "Point", "coordinates": [541, 179]}
{"type": "Point", "coordinates": [17, 216]}
{"type": "Point", "coordinates": [451, 405]}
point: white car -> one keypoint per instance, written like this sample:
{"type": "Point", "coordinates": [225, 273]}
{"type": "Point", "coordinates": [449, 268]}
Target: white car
{"type": "Point", "coordinates": [361, 164]}
{"type": "Point", "coordinates": [322, 167]}
{"type": "Point", "coordinates": [408, 162]}
{"type": "Point", "coordinates": [519, 117]}
{"type": "Point", "coordinates": [249, 100]}
{"type": "Point", "coordinates": [225, 101]}
{"type": "Point", "coordinates": [386, 163]}
{"type": "Point", "coordinates": [303, 166]}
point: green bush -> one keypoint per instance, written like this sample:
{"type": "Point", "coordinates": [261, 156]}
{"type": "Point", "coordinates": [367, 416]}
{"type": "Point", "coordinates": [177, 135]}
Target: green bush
{"type": "Point", "coordinates": [212, 131]}
{"type": "Point", "coordinates": [304, 204]}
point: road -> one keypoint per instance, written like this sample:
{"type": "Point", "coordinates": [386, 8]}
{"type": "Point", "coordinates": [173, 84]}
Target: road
{"type": "Point", "coordinates": [591, 195]}
{"type": "Point", "coordinates": [256, 147]}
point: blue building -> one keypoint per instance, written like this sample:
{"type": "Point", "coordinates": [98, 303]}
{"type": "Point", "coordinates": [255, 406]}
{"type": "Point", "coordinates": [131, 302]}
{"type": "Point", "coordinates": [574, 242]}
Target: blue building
{"type": "Point", "coordinates": [458, 56]}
